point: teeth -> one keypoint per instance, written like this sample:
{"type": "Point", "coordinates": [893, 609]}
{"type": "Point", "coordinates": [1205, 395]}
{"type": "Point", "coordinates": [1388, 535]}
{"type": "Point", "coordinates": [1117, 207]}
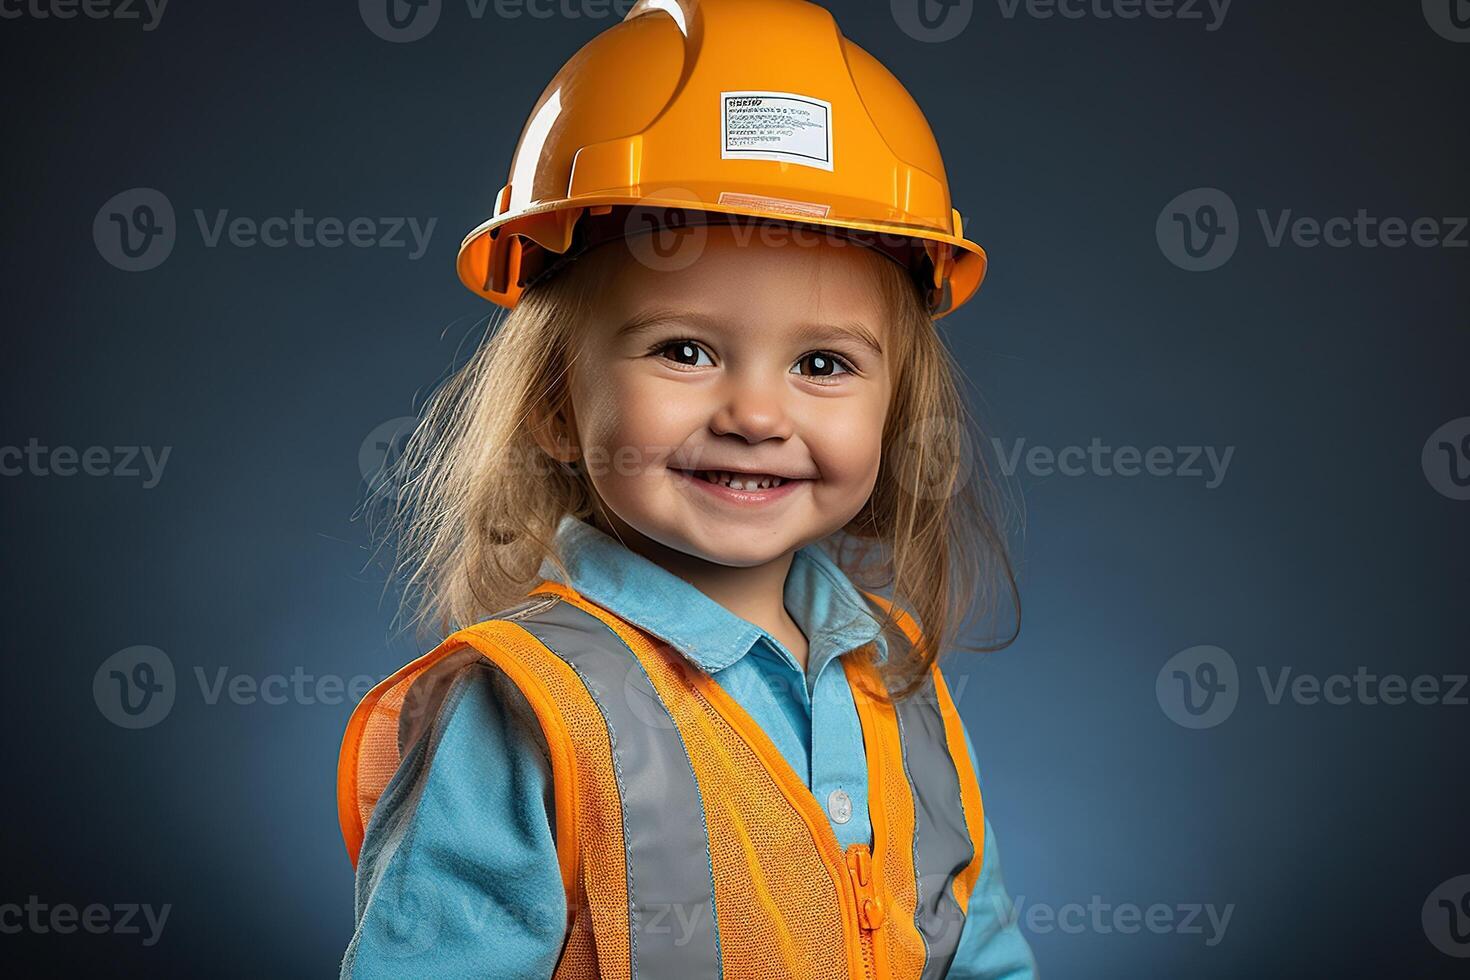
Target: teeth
{"type": "Point", "coordinates": [741, 481]}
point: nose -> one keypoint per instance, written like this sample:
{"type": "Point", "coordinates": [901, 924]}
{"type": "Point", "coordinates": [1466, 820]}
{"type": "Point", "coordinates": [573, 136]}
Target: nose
{"type": "Point", "coordinates": [753, 410]}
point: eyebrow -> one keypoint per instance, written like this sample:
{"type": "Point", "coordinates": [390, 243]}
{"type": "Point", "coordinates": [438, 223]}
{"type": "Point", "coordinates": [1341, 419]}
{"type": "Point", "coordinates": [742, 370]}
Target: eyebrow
{"type": "Point", "coordinates": [853, 330]}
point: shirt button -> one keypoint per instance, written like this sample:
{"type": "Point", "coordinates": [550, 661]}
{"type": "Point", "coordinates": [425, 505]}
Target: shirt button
{"type": "Point", "coordinates": [839, 805]}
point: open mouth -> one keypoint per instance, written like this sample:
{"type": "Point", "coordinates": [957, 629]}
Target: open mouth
{"type": "Point", "coordinates": [738, 481]}
{"type": "Point", "coordinates": [740, 487]}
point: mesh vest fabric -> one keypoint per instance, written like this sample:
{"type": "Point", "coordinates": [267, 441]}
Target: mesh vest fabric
{"type": "Point", "coordinates": [786, 901]}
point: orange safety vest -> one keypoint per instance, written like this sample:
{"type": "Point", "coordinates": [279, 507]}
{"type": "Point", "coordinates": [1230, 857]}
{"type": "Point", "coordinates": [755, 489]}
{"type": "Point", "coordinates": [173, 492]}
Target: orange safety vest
{"type": "Point", "coordinates": [687, 845]}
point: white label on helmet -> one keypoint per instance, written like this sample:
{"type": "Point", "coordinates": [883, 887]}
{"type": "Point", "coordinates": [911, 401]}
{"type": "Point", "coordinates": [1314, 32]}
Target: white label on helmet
{"type": "Point", "coordinates": [776, 126]}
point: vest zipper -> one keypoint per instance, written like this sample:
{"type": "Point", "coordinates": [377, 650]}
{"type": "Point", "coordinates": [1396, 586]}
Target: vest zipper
{"type": "Point", "coordinates": [869, 911]}
{"type": "Point", "coordinates": [873, 951]}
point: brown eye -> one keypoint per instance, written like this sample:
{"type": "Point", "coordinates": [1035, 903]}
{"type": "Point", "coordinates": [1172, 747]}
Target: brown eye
{"type": "Point", "coordinates": [685, 352]}
{"type": "Point", "coordinates": [823, 364]}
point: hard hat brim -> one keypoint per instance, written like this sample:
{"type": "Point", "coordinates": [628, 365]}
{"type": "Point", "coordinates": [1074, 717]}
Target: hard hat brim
{"type": "Point", "coordinates": [492, 257]}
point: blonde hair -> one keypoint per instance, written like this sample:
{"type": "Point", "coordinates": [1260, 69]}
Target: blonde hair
{"type": "Point", "coordinates": [474, 502]}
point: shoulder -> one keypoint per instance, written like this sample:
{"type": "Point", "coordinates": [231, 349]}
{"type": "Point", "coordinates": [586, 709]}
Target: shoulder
{"type": "Point", "coordinates": [464, 694]}
{"type": "Point", "coordinates": [473, 758]}
{"type": "Point", "coordinates": [459, 858]}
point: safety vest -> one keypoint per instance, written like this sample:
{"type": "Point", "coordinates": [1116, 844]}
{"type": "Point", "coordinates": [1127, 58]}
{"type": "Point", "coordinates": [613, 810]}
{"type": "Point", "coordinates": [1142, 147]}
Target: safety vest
{"type": "Point", "coordinates": [688, 847]}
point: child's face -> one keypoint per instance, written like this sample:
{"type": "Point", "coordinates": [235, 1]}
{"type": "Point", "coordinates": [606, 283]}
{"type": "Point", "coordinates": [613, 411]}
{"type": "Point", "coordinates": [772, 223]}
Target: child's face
{"type": "Point", "coordinates": [750, 359]}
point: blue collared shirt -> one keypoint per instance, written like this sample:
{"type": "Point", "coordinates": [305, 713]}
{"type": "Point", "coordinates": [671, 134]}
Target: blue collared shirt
{"type": "Point", "coordinates": [458, 873]}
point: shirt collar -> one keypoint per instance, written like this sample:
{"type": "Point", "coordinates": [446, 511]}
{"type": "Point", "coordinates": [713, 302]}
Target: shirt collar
{"type": "Point", "coordinates": [820, 597]}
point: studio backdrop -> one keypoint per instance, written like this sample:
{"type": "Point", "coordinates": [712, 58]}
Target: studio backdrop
{"type": "Point", "coordinates": [1219, 361]}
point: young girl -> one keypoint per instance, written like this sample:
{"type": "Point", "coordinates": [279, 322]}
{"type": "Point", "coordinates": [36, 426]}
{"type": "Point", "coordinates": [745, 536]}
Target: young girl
{"type": "Point", "coordinates": [668, 736]}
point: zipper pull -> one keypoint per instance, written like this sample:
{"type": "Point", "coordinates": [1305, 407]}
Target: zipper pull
{"type": "Point", "coordinates": [860, 869]}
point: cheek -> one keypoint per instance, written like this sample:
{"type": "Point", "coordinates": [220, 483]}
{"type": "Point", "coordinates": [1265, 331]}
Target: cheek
{"type": "Point", "coordinates": [847, 448]}
{"type": "Point", "coordinates": [629, 426]}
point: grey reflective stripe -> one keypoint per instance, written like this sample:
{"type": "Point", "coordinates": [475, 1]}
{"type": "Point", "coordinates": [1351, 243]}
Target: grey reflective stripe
{"type": "Point", "coordinates": [942, 845]}
{"type": "Point", "coordinates": [671, 896]}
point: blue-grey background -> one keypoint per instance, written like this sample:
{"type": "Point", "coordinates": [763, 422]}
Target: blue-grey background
{"type": "Point", "coordinates": [1326, 547]}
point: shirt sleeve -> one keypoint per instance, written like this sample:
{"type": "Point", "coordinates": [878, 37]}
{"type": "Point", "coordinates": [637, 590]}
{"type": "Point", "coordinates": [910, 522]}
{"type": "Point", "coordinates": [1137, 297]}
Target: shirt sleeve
{"type": "Point", "coordinates": [991, 946]}
{"type": "Point", "coordinates": [458, 872]}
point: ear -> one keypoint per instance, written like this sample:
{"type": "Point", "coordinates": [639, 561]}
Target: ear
{"type": "Point", "coordinates": [555, 431]}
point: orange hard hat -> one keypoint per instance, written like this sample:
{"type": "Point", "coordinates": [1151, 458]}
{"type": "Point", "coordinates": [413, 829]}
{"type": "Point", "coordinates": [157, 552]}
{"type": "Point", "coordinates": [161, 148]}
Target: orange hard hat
{"type": "Point", "coordinates": [725, 110]}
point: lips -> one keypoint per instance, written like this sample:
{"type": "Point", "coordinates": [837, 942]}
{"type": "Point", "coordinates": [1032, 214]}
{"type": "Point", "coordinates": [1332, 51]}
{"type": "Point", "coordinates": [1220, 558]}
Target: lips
{"type": "Point", "coordinates": [739, 481]}
{"type": "Point", "coordinates": [739, 488]}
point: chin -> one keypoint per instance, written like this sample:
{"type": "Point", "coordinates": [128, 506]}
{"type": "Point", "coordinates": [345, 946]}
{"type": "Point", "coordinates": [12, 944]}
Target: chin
{"type": "Point", "coordinates": [737, 550]}
{"type": "Point", "coordinates": [725, 543]}
{"type": "Point", "coordinates": [745, 557]}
